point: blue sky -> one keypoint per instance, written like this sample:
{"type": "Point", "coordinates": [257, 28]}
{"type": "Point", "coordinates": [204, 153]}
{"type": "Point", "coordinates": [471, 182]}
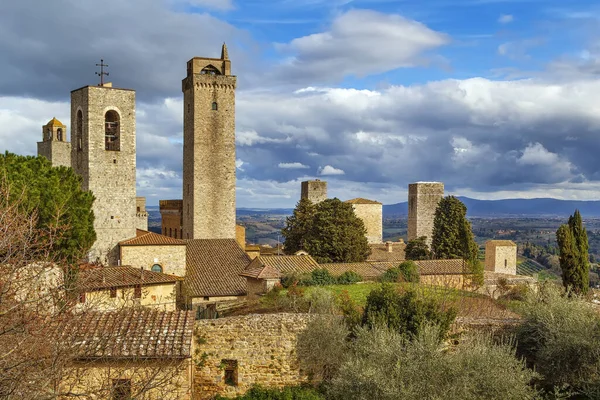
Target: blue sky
{"type": "Point", "coordinates": [496, 98]}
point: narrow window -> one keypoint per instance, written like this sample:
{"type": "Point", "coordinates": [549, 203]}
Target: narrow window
{"type": "Point", "coordinates": [180, 233]}
{"type": "Point", "coordinates": [189, 107]}
{"type": "Point", "coordinates": [112, 131]}
{"type": "Point", "coordinates": [137, 292]}
{"type": "Point", "coordinates": [79, 130]}
{"type": "Point", "coordinates": [215, 106]}
{"type": "Point", "coordinates": [157, 268]}
{"type": "Point", "coordinates": [121, 389]}
{"type": "Point", "coordinates": [505, 262]}
{"type": "Point", "coordinates": [231, 372]}
{"type": "Point", "coordinates": [170, 232]}
{"type": "Point", "coordinates": [82, 297]}
{"type": "Point", "coordinates": [138, 209]}
{"type": "Point", "coordinates": [113, 292]}
{"type": "Point", "coordinates": [59, 134]}
{"type": "Point", "coordinates": [49, 134]}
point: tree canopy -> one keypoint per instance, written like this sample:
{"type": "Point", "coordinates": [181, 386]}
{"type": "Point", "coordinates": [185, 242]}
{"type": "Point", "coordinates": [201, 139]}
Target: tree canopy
{"type": "Point", "coordinates": [63, 210]}
{"type": "Point", "coordinates": [329, 231]}
{"type": "Point", "coordinates": [417, 249]}
{"type": "Point", "coordinates": [573, 254]}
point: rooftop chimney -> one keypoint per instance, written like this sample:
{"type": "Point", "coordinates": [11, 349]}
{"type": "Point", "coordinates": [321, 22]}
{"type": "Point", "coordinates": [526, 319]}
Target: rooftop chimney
{"type": "Point", "coordinates": [388, 247]}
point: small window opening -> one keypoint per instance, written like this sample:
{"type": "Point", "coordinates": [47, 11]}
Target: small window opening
{"type": "Point", "coordinates": [210, 70]}
{"type": "Point", "coordinates": [113, 292]}
{"type": "Point", "coordinates": [49, 134]}
{"type": "Point", "coordinates": [121, 389]}
{"type": "Point", "coordinates": [181, 234]}
{"type": "Point", "coordinates": [189, 107]}
{"type": "Point", "coordinates": [59, 134]}
{"type": "Point", "coordinates": [170, 232]}
{"type": "Point", "coordinates": [138, 209]}
{"type": "Point", "coordinates": [79, 130]}
{"type": "Point", "coordinates": [506, 263]}
{"type": "Point", "coordinates": [231, 372]}
{"type": "Point", "coordinates": [156, 268]}
{"type": "Point", "coordinates": [112, 131]}
{"type": "Point", "coordinates": [215, 106]}
{"type": "Point", "coordinates": [137, 292]}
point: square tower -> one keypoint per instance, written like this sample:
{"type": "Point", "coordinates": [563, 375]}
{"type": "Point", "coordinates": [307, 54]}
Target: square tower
{"type": "Point", "coordinates": [54, 145]}
{"type": "Point", "coordinates": [423, 199]}
{"type": "Point", "coordinates": [315, 191]}
{"type": "Point", "coordinates": [371, 214]}
{"type": "Point", "coordinates": [209, 149]}
{"type": "Point", "coordinates": [103, 153]}
{"type": "Point", "coordinates": [501, 256]}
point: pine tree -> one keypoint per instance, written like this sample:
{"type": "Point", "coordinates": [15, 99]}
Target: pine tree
{"type": "Point", "coordinates": [297, 226]}
{"type": "Point", "coordinates": [573, 254]}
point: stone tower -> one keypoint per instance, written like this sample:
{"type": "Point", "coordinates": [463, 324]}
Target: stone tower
{"type": "Point", "coordinates": [54, 145]}
{"type": "Point", "coordinates": [371, 214]}
{"type": "Point", "coordinates": [423, 199]}
{"type": "Point", "coordinates": [209, 148]}
{"type": "Point", "coordinates": [315, 191]}
{"type": "Point", "coordinates": [103, 153]}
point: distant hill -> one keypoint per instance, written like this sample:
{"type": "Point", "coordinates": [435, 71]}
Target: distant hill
{"type": "Point", "coordinates": [514, 207]}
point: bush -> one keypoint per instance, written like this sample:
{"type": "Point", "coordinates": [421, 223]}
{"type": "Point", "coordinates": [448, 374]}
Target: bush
{"type": "Point", "coordinates": [292, 278]}
{"type": "Point", "coordinates": [405, 313]}
{"type": "Point", "coordinates": [560, 336]}
{"type": "Point", "coordinates": [287, 393]}
{"type": "Point", "coordinates": [391, 275]}
{"type": "Point", "coordinates": [409, 271]}
{"type": "Point", "coordinates": [350, 310]}
{"type": "Point", "coordinates": [319, 277]}
{"type": "Point", "coordinates": [348, 278]}
{"type": "Point", "coordinates": [320, 301]}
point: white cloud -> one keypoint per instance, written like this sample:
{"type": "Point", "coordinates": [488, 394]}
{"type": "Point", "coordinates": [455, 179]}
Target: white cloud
{"type": "Point", "coordinates": [329, 170]}
{"type": "Point", "coordinates": [360, 42]}
{"type": "Point", "coordinates": [506, 19]}
{"type": "Point", "coordinates": [536, 154]}
{"type": "Point", "coordinates": [293, 165]}
{"type": "Point", "coordinates": [224, 5]}
{"type": "Point", "coordinates": [239, 163]}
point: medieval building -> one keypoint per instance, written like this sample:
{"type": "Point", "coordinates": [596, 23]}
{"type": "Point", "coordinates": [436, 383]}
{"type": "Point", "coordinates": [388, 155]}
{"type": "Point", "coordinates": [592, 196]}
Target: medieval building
{"type": "Point", "coordinates": [54, 145]}
{"type": "Point", "coordinates": [315, 191]}
{"type": "Point", "coordinates": [423, 199]}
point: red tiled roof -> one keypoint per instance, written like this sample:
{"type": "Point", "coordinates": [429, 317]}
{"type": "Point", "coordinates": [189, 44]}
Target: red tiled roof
{"type": "Point", "coordinates": [500, 243]}
{"type": "Point", "coordinates": [379, 253]}
{"type": "Point", "coordinates": [113, 277]}
{"type": "Point", "coordinates": [145, 238]}
{"type": "Point", "coordinates": [259, 271]}
{"type": "Point", "coordinates": [214, 267]}
{"type": "Point", "coordinates": [364, 269]}
{"type": "Point", "coordinates": [360, 200]}
{"type": "Point", "coordinates": [285, 264]}
{"type": "Point", "coordinates": [441, 267]}
{"type": "Point", "coordinates": [131, 333]}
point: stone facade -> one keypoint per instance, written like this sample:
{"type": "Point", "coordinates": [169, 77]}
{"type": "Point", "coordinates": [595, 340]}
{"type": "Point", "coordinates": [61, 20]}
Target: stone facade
{"type": "Point", "coordinates": [209, 149]}
{"type": "Point", "coordinates": [501, 256]}
{"type": "Point", "coordinates": [170, 257]}
{"type": "Point", "coordinates": [315, 191]}
{"type": "Point", "coordinates": [54, 145]}
{"type": "Point", "coordinates": [260, 348]}
{"type": "Point", "coordinates": [162, 296]}
{"type": "Point", "coordinates": [103, 153]}
{"type": "Point", "coordinates": [371, 213]}
{"type": "Point", "coordinates": [141, 214]}
{"type": "Point", "coordinates": [171, 213]}
{"type": "Point", "coordinates": [423, 199]}
{"type": "Point", "coordinates": [240, 236]}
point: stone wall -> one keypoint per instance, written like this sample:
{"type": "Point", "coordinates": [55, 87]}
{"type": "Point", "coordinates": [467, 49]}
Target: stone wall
{"type": "Point", "coordinates": [141, 213]}
{"type": "Point", "coordinates": [423, 198]}
{"type": "Point", "coordinates": [171, 218]}
{"type": "Point", "coordinates": [209, 151]}
{"type": "Point", "coordinates": [315, 191]}
{"type": "Point", "coordinates": [240, 236]}
{"type": "Point", "coordinates": [372, 217]}
{"type": "Point", "coordinates": [162, 297]}
{"type": "Point", "coordinates": [109, 174]}
{"type": "Point", "coordinates": [59, 153]}
{"type": "Point", "coordinates": [455, 281]}
{"type": "Point", "coordinates": [264, 347]}
{"type": "Point", "coordinates": [171, 257]}
{"type": "Point", "coordinates": [501, 258]}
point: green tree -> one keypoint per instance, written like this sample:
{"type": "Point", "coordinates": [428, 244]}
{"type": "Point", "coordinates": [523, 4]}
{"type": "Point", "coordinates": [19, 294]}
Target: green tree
{"type": "Point", "coordinates": [297, 226]}
{"type": "Point", "coordinates": [417, 249]}
{"type": "Point", "coordinates": [328, 231]}
{"type": "Point", "coordinates": [573, 254]}
{"type": "Point", "coordinates": [453, 236]}
{"type": "Point", "coordinates": [63, 209]}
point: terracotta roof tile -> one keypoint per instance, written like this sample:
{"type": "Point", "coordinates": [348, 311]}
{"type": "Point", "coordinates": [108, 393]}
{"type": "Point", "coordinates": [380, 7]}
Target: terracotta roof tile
{"type": "Point", "coordinates": [501, 243]}
{"type": "Point", "coordinates": [131, 333]}
{"type": "Point", "coordinates": [214, 267]}
{"type": "Point", "coordinates": [441, 267]}
{"type": "Point", "coordinates": [379, 253]}
{"type": "Point", "coordinates": [285, 264]}
{"type": "Point", "coordinates": [364, 269]}
{"type": "Point", "coordinates": [100, 278]}
{"type": "Point", "coordinates": [145, 238]}
{"type": "Point", "coordinates": [360, 200]}
{"type": "Point", "coordinates": [260, 271]}
{"type": "Point", "coordinates": [54, 122]}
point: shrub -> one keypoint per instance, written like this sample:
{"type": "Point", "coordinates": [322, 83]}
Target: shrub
{"type": "Point", "coordinates": [287, 393]}
{"type": "Point", "coordinates": [405, 313]}
{"type": "Point", "coordinates": [409, 271]}
{"type": "Point", "coordinates": [348, 278]}
{"type": "Point", "coordinates": [320, 301]}
{"type": "Point", "coordinates": [350, 310]}
{"type": "Point", "coordinates": [560, 335]}
{"type": "Point", "coordinates": [292, 278]}
{"type": "Point", "coordinates": [319, 277]}
{"type": "Point", "coordinates": [391, 275]}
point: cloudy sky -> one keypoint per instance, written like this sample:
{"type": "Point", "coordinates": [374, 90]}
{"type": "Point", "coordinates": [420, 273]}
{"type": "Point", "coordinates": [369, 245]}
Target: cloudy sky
{"type": "Point", "coordinates": [496, 98]}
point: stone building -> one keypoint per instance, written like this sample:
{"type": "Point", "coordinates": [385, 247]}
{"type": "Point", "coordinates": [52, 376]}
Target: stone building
{"type": "Point", "coordinates": [501, 256]}
{"type": "Point", "coordinates": [103, 153]}
{"type": "Point", "coordinates": [54, 145]}
{"type": "Point", "coordinates": [423, 199]}
{"type": "Point", "coordinates": [371, 213]}
{"type": "Point", "coordinates": [156, 252]}
{"type": "Point", "coordinates": [171, 213]}
{"type": "Point", "coordinates": [209, 148]}
{"type": "Point", "coordinates": [141, 214]}
{"type": "Point", "coordinates": [315, 191]}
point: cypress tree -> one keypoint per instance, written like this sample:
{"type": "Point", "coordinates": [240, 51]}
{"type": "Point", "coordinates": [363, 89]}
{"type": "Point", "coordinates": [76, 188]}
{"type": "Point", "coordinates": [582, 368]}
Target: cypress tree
{"type": "Point", "coordinates": [573, 254]}
{"type": "Point", "coordinates": [297, 226]}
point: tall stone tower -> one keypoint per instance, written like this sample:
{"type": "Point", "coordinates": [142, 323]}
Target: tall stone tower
{"type": "Point", "coordinates": [54, 145]}
{"type": "Point", "coordinates": [315, 191]}
{"type": "Point", "coordinates": [209, 148]}
{"type": "Point", "coordinates": [103, 153]}
{"type": "Point", "coordinates": [423, 199]}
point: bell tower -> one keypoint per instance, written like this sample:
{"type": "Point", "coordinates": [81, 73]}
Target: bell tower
{"type": "Point", "coordinates": [54, 145]}
{"type": "Point", "coordinates": [209, 148]}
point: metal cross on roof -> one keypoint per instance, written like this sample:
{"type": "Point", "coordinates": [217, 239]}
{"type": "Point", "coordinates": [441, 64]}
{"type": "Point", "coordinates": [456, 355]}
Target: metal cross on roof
{"type": "Point", "coordinates": [101, 73]}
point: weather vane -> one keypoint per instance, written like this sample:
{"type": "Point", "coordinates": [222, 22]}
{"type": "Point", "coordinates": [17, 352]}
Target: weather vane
{"type": "Point", "coordinates": [101, 73]}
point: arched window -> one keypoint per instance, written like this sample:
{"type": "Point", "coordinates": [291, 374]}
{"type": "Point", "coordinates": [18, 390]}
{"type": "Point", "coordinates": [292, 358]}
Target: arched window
{"type": "Point", "coordinates": [112, 131]}
{"type": "Point", "coordinates": [49, 134]}
{"type": "Point", "coordinates": [210, 70]}
{"type": "Point", "coordinates": [215, 106]}
{"type": "Point", "coordinates": [59, 134]}
{"type": "Point", "coordinates": [79, 130]}
{"type": "Point", "coordinates": [157, 268]}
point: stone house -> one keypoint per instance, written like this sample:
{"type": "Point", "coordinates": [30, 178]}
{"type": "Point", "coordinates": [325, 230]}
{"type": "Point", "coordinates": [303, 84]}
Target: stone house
{"type": "Point", "coordinates": [111, 288]}
{"type": "Point", "coordinates": [501, 256]}
{"type": "Point", "coordinates": [260, 279]}
{"type": "Point", "coordinates": [155, 252]}
{"type": "Point", "coordinates": [131, 353]}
